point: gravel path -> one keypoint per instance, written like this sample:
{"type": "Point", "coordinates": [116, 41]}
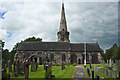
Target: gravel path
{"type": "Point", "coordinates": [79, 73]}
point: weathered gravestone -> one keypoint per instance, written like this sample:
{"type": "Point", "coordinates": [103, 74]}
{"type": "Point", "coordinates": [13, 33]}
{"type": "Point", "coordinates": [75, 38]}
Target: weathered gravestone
{"type": "Point", "coordinates": [27, 69]}
{"type": "Point", "coordinates": [88, 71]}
{"type": "Point", "coordinates": [110, 73]}
{"type": "Point", "coordinates": [44, 65]}
{"type": "Point", "coordinates": [105, 71]}
{"type": "Point", "coordinates": [14, 69]}
{"type": "Point", "coordinates": [23, 67]}
{"type": "Point", "coordinates": [114, 74]}
{"type": "Point", "coordinates": [92, 74]}
{"type": "Point", "coordinates": [48, 71]}
{"type": "Point", "coordinates": [63, 65]}
{"type": "Point", "coordinates": [33, 66]}
{"type": "Point", "coordinates": [3, 63]}
{"type": "Point", "coordinates": [97, 77]}
{"type": "Point", "coordinates": [9, 66]}
{"type": "Point", "coordinates": [5, 75]}
{"type": "Point", "coordinates": [18, 67]}
{"type": "Point", "coordinates": [36, 66]}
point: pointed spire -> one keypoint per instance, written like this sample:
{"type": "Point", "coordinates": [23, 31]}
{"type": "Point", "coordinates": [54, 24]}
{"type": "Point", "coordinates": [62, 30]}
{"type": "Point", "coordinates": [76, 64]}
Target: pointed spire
{"type": "Point", "coordinates": [63, 34]}
{"type": "Point", "coordinates": [63, 24]}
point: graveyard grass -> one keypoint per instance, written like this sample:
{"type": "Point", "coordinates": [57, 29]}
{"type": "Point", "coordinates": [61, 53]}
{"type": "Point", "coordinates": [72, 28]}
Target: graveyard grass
{"type": "Point", "coordinates": [56, 70]}
{"type": "Point", "coordinates": [95, 72]}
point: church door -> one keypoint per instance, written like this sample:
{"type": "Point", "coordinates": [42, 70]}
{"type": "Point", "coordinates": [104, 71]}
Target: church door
{"type": "Point", "coordinates": [73, 58]}
{"type": "Point", "coordinates": [79, 61]}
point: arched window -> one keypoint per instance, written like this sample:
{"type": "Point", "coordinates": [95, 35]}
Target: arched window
{"type": "Point", "coordinates": [51, 57]}
{"type": "Point", "coordinates": [63, 57]}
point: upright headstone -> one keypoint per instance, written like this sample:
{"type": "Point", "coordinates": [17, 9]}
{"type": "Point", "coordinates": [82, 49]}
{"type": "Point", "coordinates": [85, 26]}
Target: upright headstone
{"type": "Point", "coordinates": [27, 69]}
{"type": "Point", "coordinates": [18, 67]}
{"type": "Point", "coordinates": [9, 66]}
{"type": "Point", "coordinates": [23, 67]}
{"type": "Point", "coordinates": [119, 68]}
{"type": "Point", "coordinates": [44, 65]}
{"type": "Point", "coordinates": [36, 65]}
{"type": "Point", "coordinates": [88, 71]}
{"type": "Point", "coordinates": [32, 67]}
{"type": "Point", "coordinates": [114, 74]}
{"type": "Point", "coordinates": [5, 75]}
{"type": "Point", "coordinates": [110, 62]}
{"type": "Point", "coordinates": [110, 73]}
{"type": "Point", "coordinates": [97, 77]}
{"type": "Point", "coordinates": [63, 65]}
{"type": "Point", "coordinates": [92, 74]}
{"type": "Point", "coordinates": [14, 69]}
{"type": "Point", "coordinates": [3, 64]}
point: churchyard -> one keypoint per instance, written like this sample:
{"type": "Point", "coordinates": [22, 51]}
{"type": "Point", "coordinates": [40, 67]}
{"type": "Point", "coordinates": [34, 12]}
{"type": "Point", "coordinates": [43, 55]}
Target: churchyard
{"type": "Point", "coordinates": [30, 70]}
{"type": "Point", "coordinates": [110, 70]}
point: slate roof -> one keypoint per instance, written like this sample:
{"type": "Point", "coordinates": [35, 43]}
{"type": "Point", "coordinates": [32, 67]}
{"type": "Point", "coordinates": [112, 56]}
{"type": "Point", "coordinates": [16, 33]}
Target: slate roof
{"type": "Point", "coordinates": [44, 46]}
{"type": "Point", "coordinates": [58, 46]}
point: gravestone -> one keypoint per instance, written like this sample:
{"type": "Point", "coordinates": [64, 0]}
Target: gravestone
{"type": "Point", "coordinates": [105, 71]}
{"type": "Point", "coordinates": [92, 74]}
{"type": "Point", "coordinates": [44, 65]}
{"type": "Point", "coordinates": [5, 75]}
{"type": "Point", "coordinates": [48, 71]}
{"type": "Point", "coordinates": [32, 67]}
{"type": "Point", "coordinates": [18, 67]}
{"type": "Point", "coordinates": [110, 73]}
{"type": "Point", "coordinates": [9, 66]}
{"type": "Point", "coordinates": [114, 74]}
{"type": "Point", "coordinates": [3, 63]}
{"type": "Point", "coordinates": [110, 62]}
{"type": "Point", "coordinates": [88, 71]}
{"type": "Point", "coordinates": [23, 67]}
{"type": "Point", "coordinates": [119, 68]}
{"type": "Point", "coordinates": [102, 78]}
{"type": "Point", "coordinates": [14, 69]}
{"type": "Point", "coordinates": [27, 69]}
{"type": "Point", "coordinates": [97, 77]}
{"type": "Point", "coordinates": [36, 66]}
{"type": "Point", "coordinates": [63, 65]}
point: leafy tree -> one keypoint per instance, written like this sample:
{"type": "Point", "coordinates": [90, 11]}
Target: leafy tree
{"type": "Point", "coordinates": [14, 50]}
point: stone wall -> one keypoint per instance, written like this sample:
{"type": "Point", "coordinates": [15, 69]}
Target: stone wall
{"type": "Point", "coordinates": [41, 56]}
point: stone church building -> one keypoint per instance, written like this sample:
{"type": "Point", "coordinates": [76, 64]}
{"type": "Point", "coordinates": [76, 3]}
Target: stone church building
{"type": "Point", "coordinates": [62, 50]}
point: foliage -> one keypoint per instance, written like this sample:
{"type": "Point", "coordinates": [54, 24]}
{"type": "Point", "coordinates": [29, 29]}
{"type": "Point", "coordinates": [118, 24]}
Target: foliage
{"type": "Point", "coordinates": [30, 39]}
{"type": "Point", "coordinates": [112, 53]}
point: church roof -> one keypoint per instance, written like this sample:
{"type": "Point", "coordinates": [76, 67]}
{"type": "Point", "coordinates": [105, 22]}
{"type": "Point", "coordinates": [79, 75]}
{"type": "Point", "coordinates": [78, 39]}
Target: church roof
{"type": "Point", "coordinates": [44, 46]}
{"type": "Point", "coordinates": [58, 46]}
{"type": "Point", "coordinates": [90, 47]}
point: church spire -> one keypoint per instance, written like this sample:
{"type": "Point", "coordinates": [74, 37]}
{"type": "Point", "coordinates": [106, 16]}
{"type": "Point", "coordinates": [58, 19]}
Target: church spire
{"type": "Point", "coordinates": [63, 24]}
{"type": "Point", "coordinates": [63, 34]}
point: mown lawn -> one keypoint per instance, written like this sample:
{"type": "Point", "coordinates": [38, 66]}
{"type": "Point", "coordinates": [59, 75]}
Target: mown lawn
{"type": "Point", "coordinates": [56, 70]}
{"type": "Point", "coordinates": [95, 72]}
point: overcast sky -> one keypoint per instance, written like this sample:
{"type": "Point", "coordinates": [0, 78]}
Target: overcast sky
{"type": "Point", "coordinates": [42, 19]}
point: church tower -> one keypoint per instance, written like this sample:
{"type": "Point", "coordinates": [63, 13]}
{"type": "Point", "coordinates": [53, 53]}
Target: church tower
{"type": "Point", "coordinates": [63, 34]}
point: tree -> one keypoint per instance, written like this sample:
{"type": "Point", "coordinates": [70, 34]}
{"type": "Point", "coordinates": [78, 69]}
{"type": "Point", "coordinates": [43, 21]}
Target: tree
{"type": "Point", "coordinates": [14, 50]}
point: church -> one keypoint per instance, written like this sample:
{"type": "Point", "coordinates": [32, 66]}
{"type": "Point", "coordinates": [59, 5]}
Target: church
{"type": "Point", "coordinates": [62, 50]}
